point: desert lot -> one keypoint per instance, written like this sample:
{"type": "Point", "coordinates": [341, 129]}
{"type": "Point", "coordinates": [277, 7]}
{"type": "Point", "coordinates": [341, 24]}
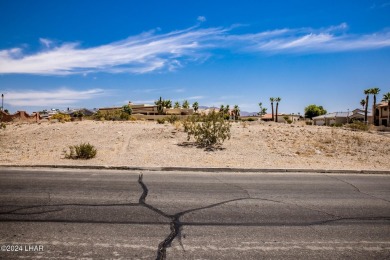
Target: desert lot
{"type": "Point", "coordinates": [140, 143]}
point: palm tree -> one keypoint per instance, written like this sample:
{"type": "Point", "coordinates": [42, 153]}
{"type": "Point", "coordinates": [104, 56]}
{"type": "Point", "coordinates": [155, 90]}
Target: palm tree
{"type": "Point", "coordinates": [362, 103]}
{"type": "Point", "coordinates": [177, 105]}
{"type": "Point", "coordinates": [367, 93]}
{"type": "Point", "coordinates": [374, 91]}
{"type": "Point", "coordinates": [386, 98]}
{"type": "Point", "coordinates": [236, 112]}
{"type": "Point", "coordinates": [186, 104]}
{"type": "Point", "coordinates": [222, 109]}
{"type": "Point", "coordinates": [262, 110]}
{"type": "Point", "coordinates": [167, 103]}
{"type": "Point", "coordinates": [195, 106]}
{"type": "Point", "coordinates": [227, 108]}
{"type": "Point", "coordinates": [272, 106]}
{"type": "Point", "coordinates": [277, 100]}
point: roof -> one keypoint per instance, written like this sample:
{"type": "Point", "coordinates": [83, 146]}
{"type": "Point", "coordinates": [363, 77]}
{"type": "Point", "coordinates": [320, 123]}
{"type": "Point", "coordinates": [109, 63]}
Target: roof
{"type": "Point", "coordinates": [334, 115]}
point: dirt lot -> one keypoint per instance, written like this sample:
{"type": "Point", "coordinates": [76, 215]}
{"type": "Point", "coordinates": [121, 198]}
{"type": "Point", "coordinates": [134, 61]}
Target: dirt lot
{"type": "Point", "coordinates": [252, 145]}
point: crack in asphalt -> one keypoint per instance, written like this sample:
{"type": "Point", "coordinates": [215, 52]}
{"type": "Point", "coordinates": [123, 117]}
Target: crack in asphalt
{"type": "Point", "coordinates": [277, 201]}
{"type": "Point", "coordinates": [356, 188]}
{"type": "Point", "coordinates": [176, 225]}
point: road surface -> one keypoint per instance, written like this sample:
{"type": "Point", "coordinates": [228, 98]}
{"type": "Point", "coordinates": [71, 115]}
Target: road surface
{"type": "Point", "coordinates": [107, 214]}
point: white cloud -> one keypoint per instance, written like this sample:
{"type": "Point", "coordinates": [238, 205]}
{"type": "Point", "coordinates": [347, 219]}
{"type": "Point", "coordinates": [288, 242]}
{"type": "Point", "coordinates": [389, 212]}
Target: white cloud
{"type": "Point", "coordinates": [45, 42]}
{"type": "Point", "coordinates": [139, 54]}
{"type": "Point", "coordinates": [308, 40]}
{"type": "Point", "coordinates": [150, 52]}
{"type": "Point", "coordinates": [194, 98]}
{"type": "Point", "coordinates": [61, 96]}
{"type": "Point", "coordinates": [201, 19]}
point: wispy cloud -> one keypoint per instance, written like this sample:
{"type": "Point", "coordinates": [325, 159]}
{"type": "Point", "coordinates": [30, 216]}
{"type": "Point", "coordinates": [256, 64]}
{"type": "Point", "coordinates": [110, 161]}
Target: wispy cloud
{"type": "Point", "coordinates": [60, 97]}
{"type": "Point", "coordinates": [194, 98]}
{"type": "Point", "coordinates": [46, 42]}
{"type": "Point", "coordinates": [201, 19]}
{"type": "Point", "coordinates": [151, 52]}
{"type": "Point", "coordinates": [139, 54]}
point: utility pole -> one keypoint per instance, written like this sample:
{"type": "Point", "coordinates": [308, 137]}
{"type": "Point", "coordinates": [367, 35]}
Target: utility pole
{"type": "Point", "coordinates": [2, 102]}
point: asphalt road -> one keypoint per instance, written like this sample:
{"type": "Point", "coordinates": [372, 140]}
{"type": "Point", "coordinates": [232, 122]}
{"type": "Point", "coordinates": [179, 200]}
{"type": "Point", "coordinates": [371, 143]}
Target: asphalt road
{"type": "Point", "coordinates": [95, 214]}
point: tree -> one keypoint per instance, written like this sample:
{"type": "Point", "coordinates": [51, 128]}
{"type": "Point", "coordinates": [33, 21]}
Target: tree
{"type": "Point", "coordinates": [236, 112]}
{"type": "Point", "coordinates": [363, 103]}
{"type": "Point", "coordinates": [167, 103]}
{"type": "Point", "coordinates": [195, 106]}
{"type": "Point", "coordinates": [367, 93]}
{"type": "Point", "coordinates": [208, 130]}
{"type": "Point", "coordinates": [177, 105]}
{"type": "Point", "coordinates": [386, 98]}
{"type": "Point", "coordinates": [227, 110]}
{"type": "Point", "coordinates": [186, 104]}
{"type": "Point", "coordinates": [127, 109]}
{"type": "Point", "coordinates": [374, 91]}
{"type": "Point", "coordinates": [314, 110]}
{"type": "Point", "coordinates": [272, 107]}
{"type": "Point", "coordinates": [222, 109]}
{"type": "Point", "coordinates": [277, 106]}
{"type": "Point", "coordinates": [160, 107]}
{"type": "Point", "coordinates": [263, 111]}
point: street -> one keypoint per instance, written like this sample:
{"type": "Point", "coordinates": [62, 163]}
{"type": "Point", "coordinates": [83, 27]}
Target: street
{"type": "Point", "coordinates": [111, 214]}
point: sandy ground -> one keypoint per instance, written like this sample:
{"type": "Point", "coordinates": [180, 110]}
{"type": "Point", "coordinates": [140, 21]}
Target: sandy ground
{"type": "Point", "coordinates": [253, 145]}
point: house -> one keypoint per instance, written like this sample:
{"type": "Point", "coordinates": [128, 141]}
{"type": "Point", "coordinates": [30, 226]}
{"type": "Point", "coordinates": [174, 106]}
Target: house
{"type": "Point", "coordinates": [382, 114]}
{"type": "Point", "coordinates": [340, 117]}
{"type": "Point", "coordinates": [282, 116]}
{"type": "Point", "coordinates": [145, 109]}
{"type": "Point", "coordinates": [332, 118]}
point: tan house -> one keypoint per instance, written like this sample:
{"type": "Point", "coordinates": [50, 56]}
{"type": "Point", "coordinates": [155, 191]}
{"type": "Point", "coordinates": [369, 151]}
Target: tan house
{"type": "Point", "coordinates": [281, 117]}
{"type": "Point", "coordinates": [341, 117]}
{"type": "Point", "coordinates": [382, 114]}
{"type": "Point", "coordinates": [144, 109]}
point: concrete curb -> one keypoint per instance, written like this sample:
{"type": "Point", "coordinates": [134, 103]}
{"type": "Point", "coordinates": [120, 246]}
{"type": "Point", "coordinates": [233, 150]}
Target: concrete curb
{"type": "Point", "coordinates": [197, 169]}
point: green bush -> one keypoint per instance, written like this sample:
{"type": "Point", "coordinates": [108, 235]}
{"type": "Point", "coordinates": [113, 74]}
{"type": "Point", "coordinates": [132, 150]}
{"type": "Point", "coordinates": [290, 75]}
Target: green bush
{"type": "Point", "coordinates": [249, 119]}
{"type": "Point", "coordinates": [112, 115]}
{"type": "Point", "coordinates": [357, 125]}
{"type": "Point", "coordinates": [207, 130]}
{"type": "Point", "coordinates": [61, 117]}
{"type": "Point", "coordinates": [289, 121]}
{"type": "Point", "coordinates": [2, 125]}
{"type": "Point", "coordinates": [81, 151]}
{"type": "Point", "coordinates": [160, 120]}
{"type": "Point", "coordinates": [309, 123]}
{"type": "Point", "coordinates": [336, 125]}
{"type": "Point", "coordinates": [172, 119]}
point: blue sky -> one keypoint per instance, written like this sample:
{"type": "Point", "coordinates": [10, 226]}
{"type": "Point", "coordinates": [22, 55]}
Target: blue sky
{"type": "Point", "coordinates": [59, 54]}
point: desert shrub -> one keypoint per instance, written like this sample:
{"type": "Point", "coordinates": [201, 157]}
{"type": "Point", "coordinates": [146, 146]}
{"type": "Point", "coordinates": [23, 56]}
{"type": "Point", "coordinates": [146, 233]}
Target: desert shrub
{"type": "Point", "coordinates": [160, 120]}
{"type": "Point", "coordinates": [357, 125]}
{"type": "Point", "coordinates": [81, 151]}
{"type": "Point", "coordinates": [177, 125]}
{"type": "Point", "coordinates": [2, 125]}
{"type": "Point", "coordinates": [249, 119]}
{"type": "Point", "coordinates": [309, 123]}
{"type": "Point", "coordinates": [127, 109]}
{"type": "Point", "coordinates": [172, 119]}
{"type": "Point", "coordinates": [133, 118]}
{"type": "Point", "coordinates": [207, 130]}
{"type": "Point", "coordinates": [112, 115]}
{"type": "Point", "coordinates": [289, 121]}
{"type": "Point", "coordinates": [61, 117]}
{"type": "Point", "coordinates": [336, 125]}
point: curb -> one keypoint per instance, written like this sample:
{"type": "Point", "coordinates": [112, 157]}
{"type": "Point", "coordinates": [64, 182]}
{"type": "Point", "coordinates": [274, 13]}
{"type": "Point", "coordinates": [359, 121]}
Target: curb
{"type": "Point", "coordinates": [197, 169]}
